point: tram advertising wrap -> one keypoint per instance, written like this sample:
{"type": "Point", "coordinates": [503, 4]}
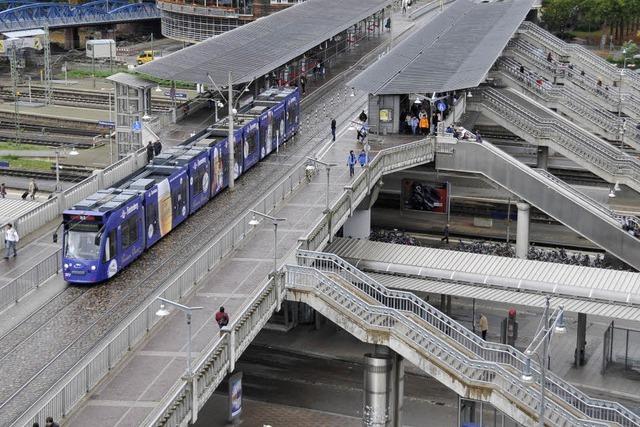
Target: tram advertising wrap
{"type": "Point", "coordinates": [108, 230]}
{"type": "Point", "coordinates": [424, 196]}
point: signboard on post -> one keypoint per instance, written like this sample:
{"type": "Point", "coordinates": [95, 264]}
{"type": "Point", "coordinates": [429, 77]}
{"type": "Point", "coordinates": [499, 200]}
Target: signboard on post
{"type": "Point", "coordinates": [235, 396]}
{"type": "Point", "coordinates": [178, 95]}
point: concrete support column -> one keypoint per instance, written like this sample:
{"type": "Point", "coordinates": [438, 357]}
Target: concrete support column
{"type": "Point", "coordinates": [71, 38]}
{"type": "Point", "coordinates": [358, 225]}
{"type": "Point", "coordinates": [581, 340]}
{"type": "Point", "coordinates": [522, 231]}
{"type": "Point", "coordinates": [542, 158]}
{"type": "Point", "coordinates": [383, 389]}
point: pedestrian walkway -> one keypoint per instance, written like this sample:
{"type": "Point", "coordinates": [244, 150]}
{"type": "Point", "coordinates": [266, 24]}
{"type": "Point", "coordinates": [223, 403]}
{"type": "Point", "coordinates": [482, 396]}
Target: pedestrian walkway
{"type": "Point", "coordinates": [88, 115]}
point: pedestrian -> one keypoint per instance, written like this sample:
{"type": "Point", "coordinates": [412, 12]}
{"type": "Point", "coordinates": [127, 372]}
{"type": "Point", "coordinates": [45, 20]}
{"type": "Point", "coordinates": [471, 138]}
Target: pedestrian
{"type": "Point", "coordinates": [549, 57]}
{"type": "Point", "coordinates": [303, 84]}
{"type": "Point", "coordinates": [51, 423]}
{"type": "Point", "coordinates": [11, 239]}
{"type": "Point", "coordinates": [522, 69]}
{"type": "Point", "coordinates": [414, 124]}
{"type": "Point", "coordinates": [445, 238]}
{"type": "Point", "coordinates": [424, 125]}
{"type": "Point", "coordinates": [478, 137]}
{"type": "Point", "coordinates": [362, 158]}
{"type": "Point", "coordinates": [363, 116]}
{"type": "Point", "coordinates": [404, 7]}
{"type": "Point", "coordinates": [222, 318]}
{"type": "Point", "coordinates": [333, 129]}
{"type": "Point", "coordinates": [150, 152]}
{"type": "Point", "coordinates": [483, 323]}
{"type": "Point", "coordinates": [361, 133]}
{"type": "Point", "coordinates": [157, 147]}
{"type": "Point", "coordinates": [351, 162]}
{"type": "Point", "coordinates": [388, 24]}
{"type": "Point", "coordinates": [35, 425]}
{"type": "Point", "coordinates": [33, 189]}
{"type": "Point", "coordinates": [3, 190]}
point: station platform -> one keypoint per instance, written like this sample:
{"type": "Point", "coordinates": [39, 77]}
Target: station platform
{"type": "Point", "coordinates": [87, 115]}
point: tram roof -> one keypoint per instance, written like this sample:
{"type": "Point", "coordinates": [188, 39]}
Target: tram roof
{"type": "Point", "coordinates": [257, 48]}
{"type": "Point", "coordinates": [453, 51]}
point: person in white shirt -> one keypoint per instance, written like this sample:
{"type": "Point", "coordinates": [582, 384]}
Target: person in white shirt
{"type": "Point", "coordinates": [11, 239]}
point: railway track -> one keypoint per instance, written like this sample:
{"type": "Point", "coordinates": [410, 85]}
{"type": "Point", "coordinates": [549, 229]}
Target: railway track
{"type": "Point", "coordinates": [54, 338]}
{"type": "Point", "coordinates": [69, 97]}
{"type": "Point", "coordinates": [46, 175]}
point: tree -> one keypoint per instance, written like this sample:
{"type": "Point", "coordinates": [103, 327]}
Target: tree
{"type": "Point", "coordinates": [559, 14]}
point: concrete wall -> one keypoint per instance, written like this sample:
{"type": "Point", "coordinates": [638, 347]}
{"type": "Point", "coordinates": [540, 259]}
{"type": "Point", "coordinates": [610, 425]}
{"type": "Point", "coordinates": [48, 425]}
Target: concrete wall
{"type": "Point", "coordinates": [379, 102]}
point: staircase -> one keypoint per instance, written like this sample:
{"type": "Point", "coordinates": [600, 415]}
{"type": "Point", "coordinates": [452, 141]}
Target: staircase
{"type": "Point", "coordinates": [446, 350]}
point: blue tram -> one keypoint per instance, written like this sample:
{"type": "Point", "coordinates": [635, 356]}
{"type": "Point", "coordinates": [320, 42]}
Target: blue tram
{"type": "Point", "coordinates": [108, 230]}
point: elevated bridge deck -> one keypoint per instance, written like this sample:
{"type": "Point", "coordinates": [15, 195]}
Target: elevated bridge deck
{"type": "Point", "coordinates": [588, 290]}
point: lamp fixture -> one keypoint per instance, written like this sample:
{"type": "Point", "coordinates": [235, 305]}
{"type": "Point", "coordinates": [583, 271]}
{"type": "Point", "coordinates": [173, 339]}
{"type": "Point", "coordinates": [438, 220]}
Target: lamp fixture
{"type": "Point", "coordinates": [162, 311]}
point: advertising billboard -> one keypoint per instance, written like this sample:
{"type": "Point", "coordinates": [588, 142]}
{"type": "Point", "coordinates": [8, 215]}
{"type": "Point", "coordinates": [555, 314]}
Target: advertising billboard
{"type": "Point", "coordinates": [419, 195]}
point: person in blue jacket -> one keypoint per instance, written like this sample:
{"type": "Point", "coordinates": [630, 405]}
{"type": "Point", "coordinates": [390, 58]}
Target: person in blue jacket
{"type": "Point", "coordinates": [351, 162]}
{"type": "Point", "coordinates": [362, 158]}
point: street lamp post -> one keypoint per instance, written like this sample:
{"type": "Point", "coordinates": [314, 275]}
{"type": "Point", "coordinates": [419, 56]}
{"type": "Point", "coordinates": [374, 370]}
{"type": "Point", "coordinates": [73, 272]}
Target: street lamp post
{"type": "Point", "coordinates": [546, 329]}
{"type": "Point", "coordinates": [254, 221]}
{"type": "Point", "coordinates": [188, 311]}
{"type": "Point", "coordinates": [73, 152]}
{"type": "Point", "coordinates": [328, 167]}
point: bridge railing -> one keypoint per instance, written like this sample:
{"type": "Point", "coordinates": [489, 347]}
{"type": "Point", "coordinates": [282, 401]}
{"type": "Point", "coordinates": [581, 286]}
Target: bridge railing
{"type": "Point", "coordinates": [440, 349]}
{"type": "Point", "coordinates": [13, 291]}
{"type": "Point", "coordinates": [601, 410]}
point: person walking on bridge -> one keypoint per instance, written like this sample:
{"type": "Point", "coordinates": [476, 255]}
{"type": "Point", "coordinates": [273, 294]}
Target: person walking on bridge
{"type": "Point", "coordinates": [445, 237]}
{"type": "Point", "coordinates": [11, 239]}
{"type": "Point", "coordinates": [333, 129]}
{"type": "Point", "coordinates": [222, 318]}
{"type": "Point", "coordinates": [351, 162]}
{"type": "Point", "coordinates": [150, 152]}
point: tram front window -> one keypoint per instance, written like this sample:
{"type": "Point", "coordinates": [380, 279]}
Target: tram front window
{"type": "Point", "coordinates": [80, 242]}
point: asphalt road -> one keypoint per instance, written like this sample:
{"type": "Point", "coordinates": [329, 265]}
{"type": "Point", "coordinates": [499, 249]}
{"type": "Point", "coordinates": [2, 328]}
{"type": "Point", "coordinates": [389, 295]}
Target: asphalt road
{"type": "Point", "coordinates": [283, 388]}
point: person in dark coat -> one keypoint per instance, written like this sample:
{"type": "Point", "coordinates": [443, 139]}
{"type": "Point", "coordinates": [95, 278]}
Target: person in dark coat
{"type": "Point", "coordinates": [157, 147]}
{"type": "Point", "coordinates": [333, 129]}
{"type": "Point", "coordinates": [445, 238]}
{"type": "Point", "coordinates": [363, 116]}
{"type": "Point", "coordinates": [150, 152]}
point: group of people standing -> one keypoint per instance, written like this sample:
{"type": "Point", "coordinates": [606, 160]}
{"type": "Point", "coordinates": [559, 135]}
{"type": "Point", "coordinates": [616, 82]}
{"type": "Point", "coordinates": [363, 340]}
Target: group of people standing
{"type": "Point", "coordinates": [419, 121]}
{"type": "Point", "coordinates": [153, 149]}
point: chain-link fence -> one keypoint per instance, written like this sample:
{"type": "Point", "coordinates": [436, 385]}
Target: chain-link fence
{"type": "Point", "coordinates": [621, 348]}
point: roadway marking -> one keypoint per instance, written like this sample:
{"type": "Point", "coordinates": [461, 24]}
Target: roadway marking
{"type": "Point", "coordinates": [123, 403]}
{"type": "Point", "coordinates": [222, 295]}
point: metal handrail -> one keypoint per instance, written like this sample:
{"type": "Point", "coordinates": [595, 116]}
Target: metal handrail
{"type": "Point", "coordinates": [589, 148]}
{"type": "Point", "coordinates": [495, 352]}
{"type": "Point", "coordinates": [18, 287]}
{"type": "Point", "coordinates": [435, 347]}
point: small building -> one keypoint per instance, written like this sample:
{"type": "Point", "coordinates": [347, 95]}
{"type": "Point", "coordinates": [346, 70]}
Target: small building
{"type": "Point", "coordinates": [101, 49]}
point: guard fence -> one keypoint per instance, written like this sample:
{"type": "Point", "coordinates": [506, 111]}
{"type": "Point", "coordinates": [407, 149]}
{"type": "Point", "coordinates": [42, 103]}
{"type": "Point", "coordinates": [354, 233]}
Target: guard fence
{"type": "Point", "coordinates": [621, 348]}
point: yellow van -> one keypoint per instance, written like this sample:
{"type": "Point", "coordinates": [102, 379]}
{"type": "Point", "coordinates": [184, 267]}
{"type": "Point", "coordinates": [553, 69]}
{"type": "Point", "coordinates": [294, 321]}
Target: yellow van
{"type": "Point", "coordinates": [144, 57]}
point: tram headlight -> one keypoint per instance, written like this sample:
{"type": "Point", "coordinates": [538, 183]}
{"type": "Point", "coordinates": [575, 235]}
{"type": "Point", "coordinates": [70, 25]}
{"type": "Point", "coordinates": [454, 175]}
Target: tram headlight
{"type": "Point", "coordinates": [66, 265]}
{"type": "Point", "coordinates": [93, 268]}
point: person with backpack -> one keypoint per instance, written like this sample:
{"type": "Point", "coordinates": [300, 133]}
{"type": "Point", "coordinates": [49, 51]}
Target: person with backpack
{"type": "Point", "coordinates": [222, 318]}
{"type": "Point", "coordinates": [351, 162]}
{"type": "Point", "coordinates": [11, 239]}
{"type": "Point", "coordinates": [363, 117]}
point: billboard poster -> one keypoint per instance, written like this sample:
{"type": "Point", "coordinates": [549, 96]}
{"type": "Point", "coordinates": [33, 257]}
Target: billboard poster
{"type": "Point", "coordinates": [420, 195]}
{"type": "Point", "coordinates": [235, 395]}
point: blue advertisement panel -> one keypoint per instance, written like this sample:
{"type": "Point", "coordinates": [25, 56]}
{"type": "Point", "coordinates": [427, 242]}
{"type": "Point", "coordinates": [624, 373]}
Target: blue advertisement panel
{"type": "Point", "coordinates": [238, 150]}
{"type": "Point", "coordinates": [179, 197]}
{"type": "Point", "coordinates": [219, 166]}
{"type": "Point", "coordinates": [199, 179]}
{"type": "Point", "coordinates": [235, 396]}
{"type": "Point", "coordinates": [266, 134]}
{"type": "Point", "coordinates": [292, 113]}
{"type": "Point", "coordinates": [152, 216]}
{"type": "Point", "coordinates": [251, 147]}
{"type": "Point", "coordinates": [279, 128]}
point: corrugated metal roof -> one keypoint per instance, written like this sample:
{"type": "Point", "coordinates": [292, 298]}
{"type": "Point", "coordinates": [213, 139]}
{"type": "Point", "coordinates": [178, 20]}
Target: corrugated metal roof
{"type": "Point", "coordinates": [615, 311]}
{"type": "Point", "coordinates": [469, 269]}
{"type": "Point", "coordinates": [10, 209]}
{"type": "Point", "coordinates": [131, 80]}
{"type": "Point", "coordinates": [257, 48]}
{"type": "Point", "coordinates": [453, 51]}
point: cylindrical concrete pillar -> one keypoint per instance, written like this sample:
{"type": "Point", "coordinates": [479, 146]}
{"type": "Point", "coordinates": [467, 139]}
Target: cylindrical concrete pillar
{"type": "Point", "coordinates": [377, 390]}
{"type": "Point", "coordinates": [522, 231]}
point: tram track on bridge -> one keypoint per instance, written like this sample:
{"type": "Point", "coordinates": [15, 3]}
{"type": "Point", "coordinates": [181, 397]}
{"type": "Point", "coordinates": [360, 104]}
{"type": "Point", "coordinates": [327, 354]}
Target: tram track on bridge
{"type": "Point", "coordinates": [91, 313]}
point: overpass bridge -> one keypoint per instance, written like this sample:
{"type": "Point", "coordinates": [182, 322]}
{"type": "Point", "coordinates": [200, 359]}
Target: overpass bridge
{"type": "Point", "coordinates": [25, 15]}
{"type": "Point", "coordinates": [540, 126]}
{"type": "Point", "coordinates": [585, 216]}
